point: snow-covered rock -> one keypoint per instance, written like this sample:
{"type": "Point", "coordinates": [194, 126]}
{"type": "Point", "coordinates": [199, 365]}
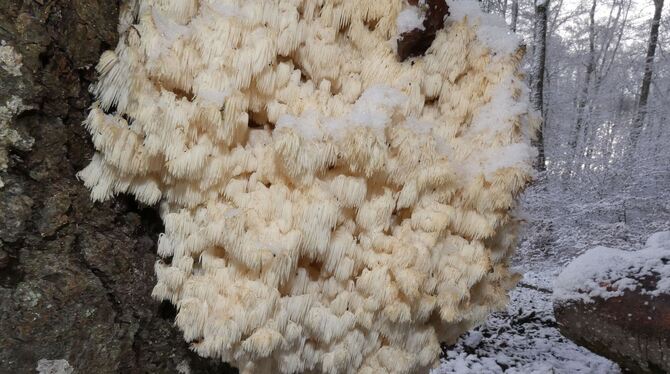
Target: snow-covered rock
{"type": "Point", "coordinates": [605, 272]}
{"type": "Point", "coordinates": [617, 303]}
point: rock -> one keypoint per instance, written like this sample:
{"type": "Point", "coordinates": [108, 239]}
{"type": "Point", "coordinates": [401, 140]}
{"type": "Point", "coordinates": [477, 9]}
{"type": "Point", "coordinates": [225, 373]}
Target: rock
{"type": "Point", "coordinates": [617, 304]}
{"type": "Point", "coordinates": [75, 277]}
{"type": "Point", "coordinates": [632, 330]}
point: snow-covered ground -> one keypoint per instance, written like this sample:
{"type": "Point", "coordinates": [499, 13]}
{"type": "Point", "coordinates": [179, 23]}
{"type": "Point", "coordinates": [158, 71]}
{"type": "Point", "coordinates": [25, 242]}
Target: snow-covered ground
{"type": "Point", "coordinates": [562, 223]}
{"type": "Point", "coordinates": [523, 339]}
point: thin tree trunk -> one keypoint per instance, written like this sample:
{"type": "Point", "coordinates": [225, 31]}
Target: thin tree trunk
{"type": "Point", "coordinates": [515, 14]}
{"type": "Point", "coordinates": [553, 23]}
{"type": "Point", "coordinates": [612, 36]}
{"type": "Point", "coordinates": [539, 58]}
{"type": "Point", "coordinates": [590, 67]}
{"type": "Point", "coordinates": [648, 71]}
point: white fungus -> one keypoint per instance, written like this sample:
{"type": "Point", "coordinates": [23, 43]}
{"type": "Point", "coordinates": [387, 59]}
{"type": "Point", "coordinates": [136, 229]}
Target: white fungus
{"type": "Point", "coordinates": [326, 207]}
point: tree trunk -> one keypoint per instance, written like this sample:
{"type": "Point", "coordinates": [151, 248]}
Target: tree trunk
{"type": "Point", "coordinates": [537, 85]}
{"type": "Point", "coordinates": [648, 72]}
{"type": "Point", "coordinates": [515, 14]}
{"type": "Point", "coordinates": [590, 67]}
{"type": "Point", "coordinates": [75, 277]}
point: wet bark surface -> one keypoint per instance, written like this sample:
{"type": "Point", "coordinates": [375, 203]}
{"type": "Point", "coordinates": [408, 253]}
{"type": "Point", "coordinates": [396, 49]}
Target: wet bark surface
{"type": "Point", "coordinates": [633, 329]}
{"type": "Point", "coordinates": [75, 276]}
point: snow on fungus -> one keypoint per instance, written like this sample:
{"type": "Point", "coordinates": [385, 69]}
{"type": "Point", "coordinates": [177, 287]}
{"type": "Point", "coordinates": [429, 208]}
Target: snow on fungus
{"type": "Point", "coordinates": [327, 208]}
{"type": "Point", "coordinates": [409, 19]}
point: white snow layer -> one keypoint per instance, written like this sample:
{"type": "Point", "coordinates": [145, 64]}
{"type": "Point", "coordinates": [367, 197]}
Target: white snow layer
{"type": "Point", "coordinates": [372, 110]}
{"type": "Point", "coordinates": [409, 19]}
{"type": "Point", "coordinates": [606, 272]}
{"type": "Point", "coordinates": [375, 107]}
{"type": "Point", "coordinates": [492, 30]}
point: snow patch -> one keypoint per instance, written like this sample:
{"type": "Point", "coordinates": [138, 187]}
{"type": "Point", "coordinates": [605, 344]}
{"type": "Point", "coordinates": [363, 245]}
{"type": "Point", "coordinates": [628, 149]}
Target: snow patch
{"type": "Point", "coordinates": [375, 106]}
{"type": "Point", "coordinates": [512, 155]}
{"type": "Point", "coordinates": [491, 160]}
{"type": "Point", "coordinates": [372, 110]}
{"type": "Point", "coordinates": [409, 19]}
{"type": "Point", "coordinates": [492, 29]}
{"type": "Point", "coordinates": [306, 125]}
{"type": "Point", "coordinates": [473, 339]}
{"type": "Point", "coordinates": [606, 272]}
{"type": "Point", "coordinates": [499, 39]}
{"type": "Point", "coordinates": [499, 109]}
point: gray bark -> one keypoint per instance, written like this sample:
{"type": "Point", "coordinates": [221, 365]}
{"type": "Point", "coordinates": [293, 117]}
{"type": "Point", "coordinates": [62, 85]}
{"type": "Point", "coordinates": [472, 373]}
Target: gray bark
{"type": "Point", "coordinates": [75, 277]}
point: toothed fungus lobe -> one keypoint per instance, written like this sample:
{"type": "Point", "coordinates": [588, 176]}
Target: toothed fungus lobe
{"type": "Point", "coordinates": [327, 208]}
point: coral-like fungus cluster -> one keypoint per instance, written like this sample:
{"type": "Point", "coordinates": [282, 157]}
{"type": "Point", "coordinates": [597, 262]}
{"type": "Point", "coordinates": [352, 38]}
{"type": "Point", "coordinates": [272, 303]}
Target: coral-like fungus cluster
{"type": "Point", "coordinates": [327, 208]}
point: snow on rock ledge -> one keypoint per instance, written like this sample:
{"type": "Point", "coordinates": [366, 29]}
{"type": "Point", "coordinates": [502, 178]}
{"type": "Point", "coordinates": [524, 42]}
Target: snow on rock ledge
{"type": "Point", "coordinates": [617, 304]}
{"type": "Point", "coordinates": [605, 272]}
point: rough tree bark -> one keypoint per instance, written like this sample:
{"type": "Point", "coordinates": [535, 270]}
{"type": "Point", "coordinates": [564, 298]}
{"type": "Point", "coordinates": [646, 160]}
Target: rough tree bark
{"type": "Point", "coordinates": [648, 72]}
{"type": "Point", "coordinates": [539, 59]}
{"type": "Point", "coordinates": [75, 277]}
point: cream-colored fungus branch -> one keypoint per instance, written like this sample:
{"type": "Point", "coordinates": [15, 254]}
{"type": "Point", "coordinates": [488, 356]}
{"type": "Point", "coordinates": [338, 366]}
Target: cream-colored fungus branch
{"type": "Point", "coordinates": [327, 208]}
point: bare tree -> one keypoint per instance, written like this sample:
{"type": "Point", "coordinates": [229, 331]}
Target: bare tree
{"type": "Point", "coordinates": [648, 71]}
{"type": "Point", "coordinates": [590, 67]}
{"type": "Point", "coordinates": [615, 30]}
{"type": "Point", "coordinates": [610, 41]}
{"type": "Point", "coordinates": [539, 58]}
{"type": "Point", "coordinates": [515, 14]}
